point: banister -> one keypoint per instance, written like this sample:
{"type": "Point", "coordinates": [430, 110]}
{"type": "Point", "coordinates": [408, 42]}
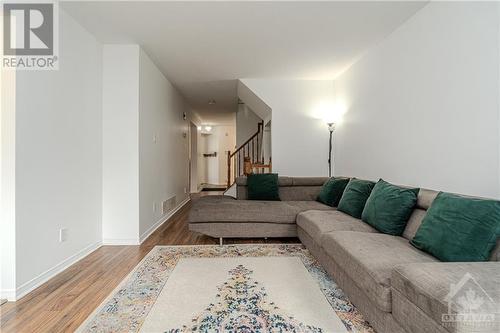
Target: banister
{"type": "Point", "coordinates": [259, 128]}
{"type": "Point", "coordinates": [236, 155]}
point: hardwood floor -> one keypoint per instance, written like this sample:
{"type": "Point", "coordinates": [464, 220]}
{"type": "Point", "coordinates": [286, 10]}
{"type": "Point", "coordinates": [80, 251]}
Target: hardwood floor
{"type": "Point", "coordinates": [65, 301]}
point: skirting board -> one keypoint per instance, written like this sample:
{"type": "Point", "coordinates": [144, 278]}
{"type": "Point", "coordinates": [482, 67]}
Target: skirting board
{"type": "Point", "coordinates": [8, 294]}
{"type": "Point", "coordinates": [147, 233]}
{"type": "Point", "coordinates": [162, 220]}
{"type": "Point", "coordinates": [50, 273]}
{"type": "Point", "coordinates": [120, 241]}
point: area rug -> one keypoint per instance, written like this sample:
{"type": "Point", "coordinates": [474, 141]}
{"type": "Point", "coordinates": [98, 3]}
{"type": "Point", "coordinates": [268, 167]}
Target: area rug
{"type": "Point", "coordinates": [233, 288]}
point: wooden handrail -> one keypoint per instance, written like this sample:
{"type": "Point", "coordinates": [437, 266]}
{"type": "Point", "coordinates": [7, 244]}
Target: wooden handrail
{"type": "Point", "coordinates": [259, 127]}
{"type": "Point", "coordinates": [235, 160]}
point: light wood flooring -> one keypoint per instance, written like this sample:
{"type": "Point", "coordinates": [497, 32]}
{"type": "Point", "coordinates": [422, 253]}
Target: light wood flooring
{"type": "Point", "coordinates": [65, 301]}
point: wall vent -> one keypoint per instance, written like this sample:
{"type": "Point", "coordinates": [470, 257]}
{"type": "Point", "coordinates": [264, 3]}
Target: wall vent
{"type": "Point", "coordinates": [169, 204]}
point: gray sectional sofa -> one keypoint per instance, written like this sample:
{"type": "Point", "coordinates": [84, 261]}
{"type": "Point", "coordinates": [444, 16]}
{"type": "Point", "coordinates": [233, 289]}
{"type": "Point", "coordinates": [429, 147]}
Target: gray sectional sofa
{"type": "Point", "coordinates": [225, 217]}
{"type": "Point", "coordinates": [397, 287]}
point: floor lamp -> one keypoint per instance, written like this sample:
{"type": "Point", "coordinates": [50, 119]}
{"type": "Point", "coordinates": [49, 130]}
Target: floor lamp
{"type": "Point", "coordinates": [331, 128]}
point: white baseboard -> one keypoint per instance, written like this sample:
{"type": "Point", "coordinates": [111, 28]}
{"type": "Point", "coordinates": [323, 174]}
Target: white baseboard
{"type": "Point", "coordinates": [50, 273]}
{"type": "Point", "coordinates": [8, 294]}
{"type": "Point", "coordinates": [120, 241]}
{"type": "Point", "coordinates": [162, 220]}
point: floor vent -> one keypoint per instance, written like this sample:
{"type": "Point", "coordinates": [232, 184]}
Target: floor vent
{"type": "Point", "coordinates": [169, 204]}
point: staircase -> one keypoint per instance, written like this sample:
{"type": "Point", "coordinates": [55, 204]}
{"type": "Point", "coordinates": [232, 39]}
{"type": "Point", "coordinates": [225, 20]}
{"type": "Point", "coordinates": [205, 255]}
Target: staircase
{"type": "Point", "coordinates": [247, 158]}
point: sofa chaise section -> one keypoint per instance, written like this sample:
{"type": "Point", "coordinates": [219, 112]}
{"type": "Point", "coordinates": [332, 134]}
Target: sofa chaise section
{"type": "Point", "coordinates": [227, 217]}
{"type": "Point", "coordinates": [232, 218]}
{"type": "Point", "coordinates": [369, 258]}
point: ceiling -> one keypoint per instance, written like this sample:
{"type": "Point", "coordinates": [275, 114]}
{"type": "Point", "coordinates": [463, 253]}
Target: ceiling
{"type": "Point", "coordinates": [204, 47]}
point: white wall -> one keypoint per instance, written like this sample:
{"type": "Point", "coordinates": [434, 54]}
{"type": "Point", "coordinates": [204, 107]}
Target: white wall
{"type": "Point", "coordinates": [58, 158]}
{"type": "Point", "coordinates": [145, 155]}
{"type": "Point", "coordinates": [7, 185]}
{"type": "Point", "coordinates": [193, 158]}
{"type": "Point", "coordinates": [212, 163]}
{"type": "Point", "coordinates": [253, 101]}
{"type": "Point", "coordinates": [423, 106]}
{"type": "Point", "coordinates": [227, 142]}
{"type": "Point", "coordinates": [267, 152]}
{"type": "Point", "coordinates": [299, 134]}
{"type": "Point", "coordinates": [120, 185]}
{"type": "Point", "coordinates": [163, 145]}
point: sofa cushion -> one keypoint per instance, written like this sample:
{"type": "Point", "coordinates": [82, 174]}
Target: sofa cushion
{"type": "Point", "coordinates": [299, 193]}
{"type": "Point", "coordinates": [355, 195]}
{"type": "Point", "coordinates": [428, 286]}
{"type": "Point", "coordinates": [332, 190]}
{"type": "Point", "coordinates": [316, 223]}
{"type": "Point", "coordinates": [309, 181]}
{"type": "Point", "coordinates": [206, 210]}
{"type": "Point", "coordinates": [369, 258]}
{"type": "Point", "coordinates": [389, 207]}
{"type": "Point", "coordinates": [462, 229]}
{"type": "Point", "coordinates": [263, 186]}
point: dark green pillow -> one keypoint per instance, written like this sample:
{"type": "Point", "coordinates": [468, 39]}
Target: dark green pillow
{"type": "Point", "coordinates": [389, 207]}
{"type": "Point", "coordinates": [456, 228]}
{"type": "Point", "coordinates": [263, 186]}
{"type": "Point", "coordinates": [332, 190]}
{"type": "Point", "coordinates": [355, 195]}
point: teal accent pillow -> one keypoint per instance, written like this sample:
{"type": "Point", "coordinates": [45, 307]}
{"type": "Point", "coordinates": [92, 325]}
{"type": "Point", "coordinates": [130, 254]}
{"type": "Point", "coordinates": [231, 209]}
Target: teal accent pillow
{"type": "Point", "coordinates": [354, 198]}
{"type": "Point", "coordinates": [389, 207]}
{"type": "Point", "coordinates": [263, 186]}
{"type": "Point", "coordinates": [332, 190]}
{"type": "Point", "coordinates": [456, 228]}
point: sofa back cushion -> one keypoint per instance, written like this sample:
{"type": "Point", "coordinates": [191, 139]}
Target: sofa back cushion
{"type": "Point", "coordinates": [389, 207]}
{"type": "Point", "coordinates": [355, 195]}
{"type": "Point", "coordinates": [290, 188]}
{"type": "Point", "coordinates": [332, 191]}
{"type": "Point", "coordinates": [424, 202]}
{"type": "Point", "coordinates": [263, 187]}
{"type": "Point", "coordinates": [458, 228]}
{"type": "Point", "coordinates": [425, 199]}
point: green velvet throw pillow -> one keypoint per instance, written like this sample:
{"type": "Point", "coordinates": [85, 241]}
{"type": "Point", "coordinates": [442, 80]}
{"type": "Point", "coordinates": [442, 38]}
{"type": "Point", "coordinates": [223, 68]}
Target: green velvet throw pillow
{"type": "Point", "coordinates": [332, 190]}
{"type": "Point", "coordinates": [389, 207]}
{"type": "Point", "coordinates": [456, 228]}
{"type": "Point", "coordinates": [263, 186]}
{"type": "Point", "coordinates": [355, 195]}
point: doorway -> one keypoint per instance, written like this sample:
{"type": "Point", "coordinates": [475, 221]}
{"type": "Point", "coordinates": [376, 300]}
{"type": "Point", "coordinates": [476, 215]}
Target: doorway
{"type": "Point", "coordinates": [193, 158]}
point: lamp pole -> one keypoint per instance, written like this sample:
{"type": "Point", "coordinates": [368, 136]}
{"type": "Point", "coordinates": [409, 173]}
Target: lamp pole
{"type": "Point", "coordinates": [331, 128]}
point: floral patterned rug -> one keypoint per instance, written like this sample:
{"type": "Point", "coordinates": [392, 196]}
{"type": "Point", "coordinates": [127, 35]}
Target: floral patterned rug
{"type": "Point", "coordinates": [240, 304]}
